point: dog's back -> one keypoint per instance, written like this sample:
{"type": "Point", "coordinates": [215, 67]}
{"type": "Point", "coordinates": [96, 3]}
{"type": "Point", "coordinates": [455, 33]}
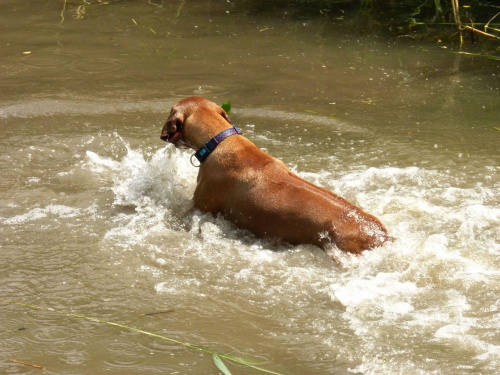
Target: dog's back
{"type": "Point", "coordinates": [259, 193]}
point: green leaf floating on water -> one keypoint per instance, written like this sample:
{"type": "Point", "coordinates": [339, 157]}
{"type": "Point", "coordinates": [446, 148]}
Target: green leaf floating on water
{"type": "Point", "coordinates": [226, 106]}
{"type": "Point", "coordinates": [220, 364]}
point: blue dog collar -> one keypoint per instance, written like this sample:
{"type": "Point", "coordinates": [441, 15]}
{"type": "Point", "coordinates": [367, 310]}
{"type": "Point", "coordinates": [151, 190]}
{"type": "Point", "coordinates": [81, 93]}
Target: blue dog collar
{"type": "Point", "coordinates": [203, 152]}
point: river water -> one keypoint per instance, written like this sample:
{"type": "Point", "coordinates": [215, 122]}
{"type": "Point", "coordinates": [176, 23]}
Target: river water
{"type": "Point", "coordinates": [95, 209]}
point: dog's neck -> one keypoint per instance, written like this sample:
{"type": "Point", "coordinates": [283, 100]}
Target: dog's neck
{"type": "Point", "coordinates": [202, 126]}
{"type": "Point", "coordinates": [210, 146]}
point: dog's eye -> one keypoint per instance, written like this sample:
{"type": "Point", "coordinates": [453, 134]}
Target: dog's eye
{"type": "Point", "coordinates": [178, 124]}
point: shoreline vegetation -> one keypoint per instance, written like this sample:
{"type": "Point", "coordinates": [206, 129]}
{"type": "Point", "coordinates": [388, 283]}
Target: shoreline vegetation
{"type": "Point", "coordinates": [464, 23]}
{"type": "Point", "coordinates": [479, 17]}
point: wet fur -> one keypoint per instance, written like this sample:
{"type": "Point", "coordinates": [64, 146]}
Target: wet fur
{"type": "Point", "coordinates": [259, 193]}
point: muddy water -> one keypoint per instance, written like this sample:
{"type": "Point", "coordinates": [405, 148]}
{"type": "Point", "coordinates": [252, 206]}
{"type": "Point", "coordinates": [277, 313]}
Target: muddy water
{"type": "Point", "coordinates": [95, 209]}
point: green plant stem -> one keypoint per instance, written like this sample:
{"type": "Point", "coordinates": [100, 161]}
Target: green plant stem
{"type": "Point", "coordinates": [181, 343]}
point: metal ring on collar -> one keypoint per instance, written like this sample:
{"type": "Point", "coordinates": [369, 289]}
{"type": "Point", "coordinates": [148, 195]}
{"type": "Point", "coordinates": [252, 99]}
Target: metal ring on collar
{"type": "Point", "coordinates": [192, 163]}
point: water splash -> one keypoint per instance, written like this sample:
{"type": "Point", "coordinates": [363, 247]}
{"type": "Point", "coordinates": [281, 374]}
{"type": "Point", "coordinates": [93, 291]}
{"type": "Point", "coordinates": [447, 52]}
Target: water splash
{"type": "Point", "coordinates": [435, 287]}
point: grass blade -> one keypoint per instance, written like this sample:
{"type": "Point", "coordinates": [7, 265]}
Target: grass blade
{"type": "Point", "coordinates": [218, 362]}
{"type": "Point", "coordinates": [216, 356]}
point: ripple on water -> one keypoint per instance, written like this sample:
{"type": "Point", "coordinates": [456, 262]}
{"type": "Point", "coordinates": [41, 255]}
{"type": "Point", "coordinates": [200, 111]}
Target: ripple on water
{"type": "Point", "coordinates": [48, 59]}
{"type": "Point", "coordinates": [123, 354]}
{"type": "Point", "coordinates": [100, 65]}
{"type": "Point", "coordinates": [200, 90]}
{"type": "Point", "coordinates": [46, 28]}
{"type": "Point", "coordinates": [51, 334]}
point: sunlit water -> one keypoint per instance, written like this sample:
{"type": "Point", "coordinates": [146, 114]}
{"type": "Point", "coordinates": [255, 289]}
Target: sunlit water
{"type": "Point", "coordinates": [96, 215]}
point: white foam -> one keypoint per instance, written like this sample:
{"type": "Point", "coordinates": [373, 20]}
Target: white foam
{"type": "Point", "coordinates": [38, 213]}
{"type": "Point", "coordinates": [164, 178]}
{"type": "Point", "coordinates": [419, 289]}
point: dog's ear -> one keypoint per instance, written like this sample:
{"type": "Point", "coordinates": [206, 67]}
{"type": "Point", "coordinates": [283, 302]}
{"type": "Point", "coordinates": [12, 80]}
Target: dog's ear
{"type": "Point", "coordinates": [225, 116]}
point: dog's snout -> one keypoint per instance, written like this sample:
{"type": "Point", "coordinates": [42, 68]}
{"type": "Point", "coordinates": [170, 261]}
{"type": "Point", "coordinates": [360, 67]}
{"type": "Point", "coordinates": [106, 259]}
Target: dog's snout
{"type": "Point", "coordinates": [171, 132]}
{"type": "Point", "coordinates": [164, 135]}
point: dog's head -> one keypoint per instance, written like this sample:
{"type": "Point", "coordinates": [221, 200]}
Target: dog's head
{"type": "Point", "coordinates": [189, 120]}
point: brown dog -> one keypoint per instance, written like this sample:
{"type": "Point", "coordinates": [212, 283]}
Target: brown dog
{"type": "Point", "coordinates": [258, 192]}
